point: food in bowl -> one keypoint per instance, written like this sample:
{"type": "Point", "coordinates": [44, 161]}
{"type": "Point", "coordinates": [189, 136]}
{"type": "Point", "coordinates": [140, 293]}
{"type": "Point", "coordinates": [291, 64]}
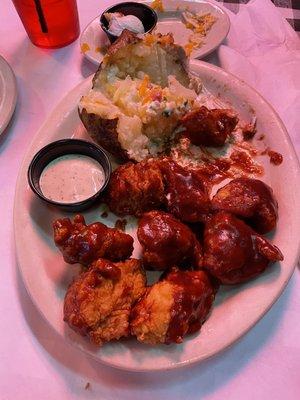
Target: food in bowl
{"type": "Point", "coordinates": [118, 22]}
{"type": "Point", "coordinates": [133, 16]}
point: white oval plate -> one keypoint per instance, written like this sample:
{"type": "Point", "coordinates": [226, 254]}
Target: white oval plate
{"type": "Point", "coordinates": [8, 93]}
{"type": "Point", "coordinates": [168, 21]}
{"type": "Point", "coordinates": [236, 309]}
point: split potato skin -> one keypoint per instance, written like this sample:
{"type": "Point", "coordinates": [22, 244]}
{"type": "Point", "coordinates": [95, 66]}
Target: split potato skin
{"type": "Point", "coordinates": [166, 59]}
{"type": "Point", "coordinates": [104, 132]}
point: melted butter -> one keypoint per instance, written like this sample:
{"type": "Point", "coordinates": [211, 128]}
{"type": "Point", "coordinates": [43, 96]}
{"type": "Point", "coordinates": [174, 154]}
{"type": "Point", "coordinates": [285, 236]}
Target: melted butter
{"type": "Point", "coordinates": [71, 178]}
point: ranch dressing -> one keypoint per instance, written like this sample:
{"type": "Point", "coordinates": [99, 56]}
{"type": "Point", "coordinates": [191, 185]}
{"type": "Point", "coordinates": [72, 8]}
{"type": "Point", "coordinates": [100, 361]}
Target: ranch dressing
{"type": "Point", "coordinates": [71, 178]}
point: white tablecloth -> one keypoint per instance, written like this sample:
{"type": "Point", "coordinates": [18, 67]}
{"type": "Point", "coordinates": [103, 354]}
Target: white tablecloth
{"type": "Point", "coordinates": [34, 362]}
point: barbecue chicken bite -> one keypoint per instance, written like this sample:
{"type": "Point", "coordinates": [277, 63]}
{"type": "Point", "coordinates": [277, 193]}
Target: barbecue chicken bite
{"type": "Point", "coordinates": [81, 243]}
{"type": "Point", "coordinates": [186, 192]}
{"type": "Point", "coordinates": [233, 252]}
{"type": "Point", "coordinates": [167, 242]}
{"type": "Point", "coordinates": [250, 199]}
{"type": "Point", "coordinates": [172, 308]}
{"type": "Point", "coordinates": [98, 303]}
{"type": "Point", "coordinates": [135, 189]}
{"type": "Point", "coordinates": [204, 127]}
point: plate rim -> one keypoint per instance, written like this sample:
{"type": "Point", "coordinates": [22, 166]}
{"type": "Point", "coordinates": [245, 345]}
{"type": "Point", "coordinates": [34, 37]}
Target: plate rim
{"type": "Point", "coordinates": [195, 56]}
{"type": "Point", "coordinates": [11, 95]}
{"type": "Point", "coordinates": [176, 364]}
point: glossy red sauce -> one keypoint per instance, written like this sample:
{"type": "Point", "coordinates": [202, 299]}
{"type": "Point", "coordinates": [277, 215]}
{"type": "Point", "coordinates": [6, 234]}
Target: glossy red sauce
{"type": "Point", "coordinates": [215, 171]}
{"type": "Point", "coordinates": [186, 192]}
{"type": "Point", "coordinates": [275, 158]}
{"type": "Point", "coordinates": [249, 131]}
{"type": "Point", "coordinates": [242, 161]}
{"type": "Point", "coordinates": [233, 252]}
{"type": "Point", "coordinates": [83, 243]}
{"type": "Point", "coordinates": [108, 270]}
{"type": "Point", "coordinates": [208, 127]}
{"type": "Point", "coordinates": [166, 242]}
{"type": "Point", "coordinates": [193, 298]}
{"type": "Point", "coordinates": [248, 147]}
{"type": "Point", "coordinates": [251, 199]}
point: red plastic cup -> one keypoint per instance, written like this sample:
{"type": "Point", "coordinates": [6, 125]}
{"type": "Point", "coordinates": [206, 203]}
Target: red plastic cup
{"type": "Point", "coordinates": [49, 23]}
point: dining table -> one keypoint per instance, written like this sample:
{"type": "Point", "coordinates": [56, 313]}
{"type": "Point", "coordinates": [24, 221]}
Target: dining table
{"type": "Point", "coordinates": [262, 48]}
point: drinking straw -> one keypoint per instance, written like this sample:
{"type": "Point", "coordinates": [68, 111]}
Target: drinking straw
{"type": "Point", "coordinates": [40, 13]}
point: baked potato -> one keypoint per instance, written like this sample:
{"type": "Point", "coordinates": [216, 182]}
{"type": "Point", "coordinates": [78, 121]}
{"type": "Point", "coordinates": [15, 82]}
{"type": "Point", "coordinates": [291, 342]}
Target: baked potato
{"type": "Point", "coordinates": [139, 93]}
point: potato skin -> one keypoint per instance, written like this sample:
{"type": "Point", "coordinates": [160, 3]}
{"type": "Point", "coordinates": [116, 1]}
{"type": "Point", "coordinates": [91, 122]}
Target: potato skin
{"type": "Point", "coordinates": [125, 39]}
{"type": "Point", "coordinates": [104, 133]}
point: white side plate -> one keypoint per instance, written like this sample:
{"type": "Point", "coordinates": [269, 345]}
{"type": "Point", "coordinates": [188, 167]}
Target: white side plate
{"type": "Point", "coordinates": [168, 21]}
{"type": "Point", "coordinates": [8, 94]}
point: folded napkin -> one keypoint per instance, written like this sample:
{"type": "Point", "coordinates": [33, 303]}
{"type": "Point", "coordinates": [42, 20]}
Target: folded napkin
{"type": "Point", "coordinates": [264, 50]}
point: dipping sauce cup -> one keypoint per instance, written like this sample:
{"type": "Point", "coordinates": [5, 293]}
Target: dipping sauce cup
{"type": "Point", "coordinates": [69, 167]}
{"type": "Point", "coordinates": [49, 23]}
{"type": "Point", "coordinates": [144, 13]}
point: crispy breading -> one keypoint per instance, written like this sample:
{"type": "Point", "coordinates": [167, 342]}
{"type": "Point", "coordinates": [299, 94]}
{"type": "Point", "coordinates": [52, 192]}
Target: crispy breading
{"type": "Point", "coordinates": [81, 243]}
{"type": "Point", "coordinates": [135, 189]}
{"type": "Point", "coordinates": [176, 306]}
{"type": "Point", "coordinates": [98, 303]}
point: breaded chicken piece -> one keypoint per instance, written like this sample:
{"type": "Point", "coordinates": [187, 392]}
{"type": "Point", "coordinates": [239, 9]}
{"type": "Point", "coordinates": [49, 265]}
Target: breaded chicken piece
{"type": "Point", "coordinates": [204, 127]}
{"type": "Point", "coordinates": [186, 192]}
{"type": "Point", "coordinates": [250, 199]}
{"type": "Point", "coordinates": [176, 306]}
{"type": "Point", "coordinates": [135, 189]}
{"type": "Point", "coordinates": [233, 252]}
{"type": "Point", "coordinates": [98, 303]}
{"type": "Point", "coordinates": [167, 242]}
{"type": "Point", "coordinates": [81, 243]}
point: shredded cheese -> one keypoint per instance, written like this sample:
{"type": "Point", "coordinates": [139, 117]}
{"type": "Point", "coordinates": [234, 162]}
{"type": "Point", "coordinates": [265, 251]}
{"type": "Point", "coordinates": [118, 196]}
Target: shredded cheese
{"type": "Point", "coordinates": [157, 5]}
{"type": "Point", "coordinates": [200, 25]}
{"type": "Point", "coordinates": [85, 47]}
{"type": "Point", "coordinates": [102, 49]}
